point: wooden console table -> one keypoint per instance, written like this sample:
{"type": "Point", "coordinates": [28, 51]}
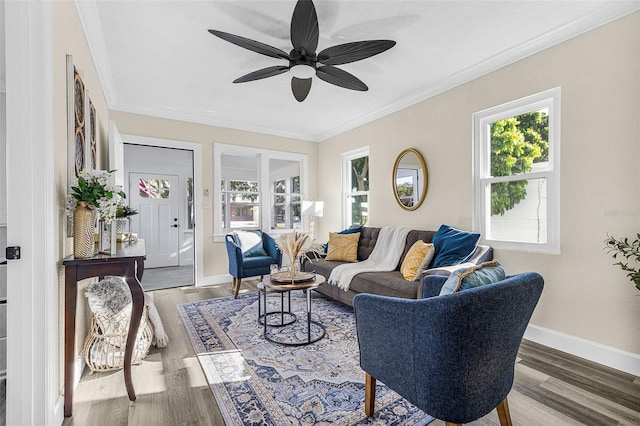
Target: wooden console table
{"type": "Point", "coordinates": [127, 262]}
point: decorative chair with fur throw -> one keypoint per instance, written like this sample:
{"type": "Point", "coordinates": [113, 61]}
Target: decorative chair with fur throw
{"type": "Point", "coordinates": [451, 355]}
{"type": "Point", "coordinates": [110, 303]}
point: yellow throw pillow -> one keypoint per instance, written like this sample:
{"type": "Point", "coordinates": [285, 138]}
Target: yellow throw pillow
{"type": "Point", "coordinates": [414, 262]}
{"type": "Point", "coordinates": [343, 247]}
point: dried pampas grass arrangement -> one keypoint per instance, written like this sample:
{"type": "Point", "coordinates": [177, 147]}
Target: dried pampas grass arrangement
{"type": "Point", "coordinates": [298, 246]}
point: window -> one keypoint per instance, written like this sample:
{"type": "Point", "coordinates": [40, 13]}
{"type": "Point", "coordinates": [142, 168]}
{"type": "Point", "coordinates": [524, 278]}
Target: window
{"type": "Point", "coordinates": [517, 173]}
{"type": "Point", "coordinates": [153, 188]}
{"type": "Point", "coordinates": [258, 189]}
{"type": "Point", "coordinates": [191, 213]}
{"type": "Point", "coordinates": [356, 186]}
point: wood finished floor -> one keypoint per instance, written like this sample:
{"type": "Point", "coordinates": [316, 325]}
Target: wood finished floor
{"type": "Point", "coordinates": [551, 388]}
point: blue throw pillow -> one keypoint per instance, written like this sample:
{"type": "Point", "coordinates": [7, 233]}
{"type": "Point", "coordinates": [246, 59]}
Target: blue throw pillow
{"type": "Point", "coordinates": [453, 246]}
{"type": "Point", "coordinates": [350, 230]}
{"type": "Point", "coordinates": [250, 243]}
{"type": "Point", "coordinates": [477, 276]}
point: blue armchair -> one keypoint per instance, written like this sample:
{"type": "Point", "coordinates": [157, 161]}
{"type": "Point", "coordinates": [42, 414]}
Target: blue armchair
{"type": "Point", "coordinates": [250, 266]}
{"type": "Point", "coordinates": [453, 356]}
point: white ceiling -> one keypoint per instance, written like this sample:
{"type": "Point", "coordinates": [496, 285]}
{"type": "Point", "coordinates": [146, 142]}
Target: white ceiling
{"type": "Point", "coordinates": [157, 58]}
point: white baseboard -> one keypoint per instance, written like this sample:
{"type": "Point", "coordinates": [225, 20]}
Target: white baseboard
{"type": "Point", "coordinates": [58, 411]}
{"type": "Point", "coordinates": [78, 368]}
{"type": "Point", "coordinates": [596, 352]}
{"type": "Point", "coordinates": [215, 279]}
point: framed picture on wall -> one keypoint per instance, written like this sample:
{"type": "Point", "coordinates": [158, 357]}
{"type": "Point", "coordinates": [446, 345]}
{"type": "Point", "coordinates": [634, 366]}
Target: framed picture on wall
{"type": "Point", "coordinates": [91, 144]}
{"type": "Point", "coordinates": [76, 122]}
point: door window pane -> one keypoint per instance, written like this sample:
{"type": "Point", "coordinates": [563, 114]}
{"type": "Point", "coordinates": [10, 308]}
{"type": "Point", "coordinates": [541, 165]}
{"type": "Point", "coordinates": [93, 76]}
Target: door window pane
{"type": "Point", "coordinates": [154, 188]}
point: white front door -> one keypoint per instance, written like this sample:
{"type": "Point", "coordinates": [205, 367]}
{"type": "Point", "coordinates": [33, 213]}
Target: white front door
{"type": "Point", "coordinates": [157, 200]}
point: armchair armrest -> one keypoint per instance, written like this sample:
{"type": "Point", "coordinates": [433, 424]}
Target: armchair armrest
{"type": "Point", "coordinates": [431, 286]}
{"type": "Point", "coordinates": [269, 245]}
{"type": "Point", "coordinates": [234, 253]}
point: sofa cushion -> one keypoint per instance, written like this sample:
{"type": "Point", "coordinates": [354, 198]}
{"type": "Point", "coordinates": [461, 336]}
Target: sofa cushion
{"type": "Point", "coordinates": [412, 237]}
{"type": "Point", "coordinates": [476, 276]}
{"type": "Point", "coordinates": [350, 230]}
{"type": "Point", "coordinates": [343, 247]}
{"type": "Point", "coordinates": [368, 238]}
{"type": "Point", "coordinates": [418, 252]}
{"type": "Point", "coordinates": [250, 243]}
{"type": "Point", "coordinates": [424, 265]}
{"type": "Point", "coordinates": [453, 246]}
{"type": "Point", "coordinates": [384, 283]}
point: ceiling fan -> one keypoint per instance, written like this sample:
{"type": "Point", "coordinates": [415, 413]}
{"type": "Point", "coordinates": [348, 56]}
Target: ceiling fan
{"type": "Point", "coordinates": [304, 63]}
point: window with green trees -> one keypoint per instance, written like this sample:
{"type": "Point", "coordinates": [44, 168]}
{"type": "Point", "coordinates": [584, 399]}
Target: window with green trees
{"type": "Point", "coordinates": [257, 189]}
{"type": "Point", "coordinates": [356, 186]}
{"type": "Point", "coordinates": [516, 173]}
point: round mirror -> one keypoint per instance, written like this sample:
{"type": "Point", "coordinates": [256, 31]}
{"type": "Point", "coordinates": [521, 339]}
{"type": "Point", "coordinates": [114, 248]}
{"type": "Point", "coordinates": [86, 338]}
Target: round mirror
{"type": "Point", "coordinates": [410, 179]}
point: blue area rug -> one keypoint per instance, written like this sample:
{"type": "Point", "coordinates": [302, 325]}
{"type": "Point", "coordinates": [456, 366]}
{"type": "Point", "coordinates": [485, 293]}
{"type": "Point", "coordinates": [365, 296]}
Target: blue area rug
{"type": "Point", "coordinates": [261, 383]}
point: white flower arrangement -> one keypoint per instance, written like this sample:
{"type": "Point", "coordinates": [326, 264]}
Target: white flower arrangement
{"type": "Point", "coordinates": [96, 188]}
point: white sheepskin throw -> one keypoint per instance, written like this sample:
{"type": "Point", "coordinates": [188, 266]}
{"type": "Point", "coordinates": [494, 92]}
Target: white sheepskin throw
{"type": "Point", "coordinates": [108, 296]}
{"type": "Point", "coordinates": [111, 295]}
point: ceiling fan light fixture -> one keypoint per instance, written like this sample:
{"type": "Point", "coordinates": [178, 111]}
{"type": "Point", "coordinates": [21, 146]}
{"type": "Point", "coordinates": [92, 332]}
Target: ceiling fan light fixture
{"type": "Point", "coordinates": [302, 71]}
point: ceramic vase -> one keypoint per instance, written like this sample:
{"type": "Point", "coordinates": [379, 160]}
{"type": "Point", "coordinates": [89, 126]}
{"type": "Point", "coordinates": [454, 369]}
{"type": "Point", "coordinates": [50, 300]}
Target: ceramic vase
{"type": "Point", "coordinates": [84, 225]}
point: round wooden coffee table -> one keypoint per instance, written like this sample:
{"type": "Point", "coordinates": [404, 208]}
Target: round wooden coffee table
{"type": "Point", "coordinates": [269, 286]}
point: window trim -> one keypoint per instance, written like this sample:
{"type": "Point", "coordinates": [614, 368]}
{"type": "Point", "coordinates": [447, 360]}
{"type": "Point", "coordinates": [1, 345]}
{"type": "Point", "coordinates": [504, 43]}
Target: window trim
{"type": "Point", "coordinates": [347, 157]}
{"type": "Point", "coordinates": [550, 99]}
{"type": "Point", "coordinates": [266, 191]}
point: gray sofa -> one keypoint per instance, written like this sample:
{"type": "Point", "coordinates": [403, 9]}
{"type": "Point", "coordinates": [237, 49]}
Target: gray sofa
{"type": "Point", "coordinates": [386, 283]}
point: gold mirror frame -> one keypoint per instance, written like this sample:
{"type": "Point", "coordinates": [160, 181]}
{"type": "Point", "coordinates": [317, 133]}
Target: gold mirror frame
{"type": "Point", "coordinates": [423, 191]}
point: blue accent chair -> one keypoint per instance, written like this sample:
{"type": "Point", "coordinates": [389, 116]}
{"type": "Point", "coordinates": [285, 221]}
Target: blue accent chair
{"type": "Point", "coordinates": [453, 356]}
{"type": "Point", "coordinates": [242, 267]}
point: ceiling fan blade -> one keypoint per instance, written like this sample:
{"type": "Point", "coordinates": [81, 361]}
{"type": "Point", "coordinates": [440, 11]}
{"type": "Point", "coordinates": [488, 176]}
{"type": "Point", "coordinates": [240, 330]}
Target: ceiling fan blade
{"type": "Point", "coordinates": [300, 88]}
{"type": "Point", "coordinates": [340, 78]}
{"type": "Point", "coordinates": [351, 52]}
{"type": "Point", "coordinates": [304, 27]}
{"type": "Point", "coordinates": [263, 73]}
{"type": "Point", "coordinates": [253, 45]}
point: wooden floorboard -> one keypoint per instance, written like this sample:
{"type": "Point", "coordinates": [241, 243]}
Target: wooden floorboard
{"type": "Point", "coordinates": [550, 388]}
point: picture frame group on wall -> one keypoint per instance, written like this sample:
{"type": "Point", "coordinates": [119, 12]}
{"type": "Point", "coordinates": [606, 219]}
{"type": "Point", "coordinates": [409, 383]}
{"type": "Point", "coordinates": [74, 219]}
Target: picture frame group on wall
{"type": "Point", "coordinates": [82, 130]}
{"type": "Point", "coordinates": [81, 124]}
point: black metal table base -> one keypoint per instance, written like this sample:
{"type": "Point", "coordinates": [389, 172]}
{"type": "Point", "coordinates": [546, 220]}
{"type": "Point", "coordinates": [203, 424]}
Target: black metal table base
{"type": "Point", "coordinates": [263, 319]}
{"type": "Point", "coordinates": [291, 317]}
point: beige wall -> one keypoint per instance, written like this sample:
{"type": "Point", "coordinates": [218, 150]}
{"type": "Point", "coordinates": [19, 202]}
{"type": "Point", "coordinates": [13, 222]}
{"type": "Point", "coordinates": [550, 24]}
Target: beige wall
{"type": "Point", "coordinates": [69, 39]}
{"type": "Point", "coordinates": [215, 255]}
{"type": "Point", "coordinates": [585, 295]}
{"type": "Point", "coordinates": [599, 72]}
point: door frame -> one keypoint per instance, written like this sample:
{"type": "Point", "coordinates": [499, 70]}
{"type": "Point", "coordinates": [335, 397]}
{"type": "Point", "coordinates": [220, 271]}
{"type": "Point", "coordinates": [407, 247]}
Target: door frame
{"type": "Point", "coordinates": [198, 234]}
{"type": "Point", "coordinates": [33, 317]}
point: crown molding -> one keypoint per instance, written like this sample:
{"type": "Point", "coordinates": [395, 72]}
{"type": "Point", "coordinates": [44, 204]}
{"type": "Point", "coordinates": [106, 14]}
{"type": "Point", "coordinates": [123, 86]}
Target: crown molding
{"type": "Point", "coordinates": [559, 35]}
{"type": "Point", "coordinates": [211, 121]}
{"type": "Point", "coordinates": [88, 12]}
{"type": "Point", "coordinates": [91, 24]}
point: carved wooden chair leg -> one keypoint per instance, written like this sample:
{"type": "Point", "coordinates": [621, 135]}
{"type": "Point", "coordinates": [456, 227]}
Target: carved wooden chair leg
{"type": "Point", "coordinates": [369, 395]}
{"type": "Point", "coordinates": [237, 290]}
{"type": "Point", "coordinates": [503, 413]}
